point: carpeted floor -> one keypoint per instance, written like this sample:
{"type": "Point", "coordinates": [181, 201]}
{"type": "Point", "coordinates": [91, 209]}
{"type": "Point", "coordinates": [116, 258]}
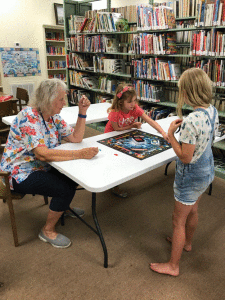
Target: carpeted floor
{"type": "Point", "coordinates": [135, 231]}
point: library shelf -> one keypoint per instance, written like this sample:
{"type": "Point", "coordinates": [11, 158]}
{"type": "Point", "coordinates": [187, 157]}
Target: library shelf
{"type": "Point", "coordinates": [55, 51]}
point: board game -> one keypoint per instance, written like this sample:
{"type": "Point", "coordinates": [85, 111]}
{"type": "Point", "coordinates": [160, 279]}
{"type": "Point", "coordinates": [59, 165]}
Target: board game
{"type": "Point", "coordinates": [137, 143]}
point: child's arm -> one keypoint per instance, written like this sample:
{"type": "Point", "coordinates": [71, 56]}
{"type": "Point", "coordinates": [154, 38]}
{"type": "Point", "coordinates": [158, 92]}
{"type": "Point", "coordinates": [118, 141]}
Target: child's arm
{"type": "Point", "coordinates": [117, 128]}
{"type": "Point", "coordinates": [184, 151]}
{"type": "Point", "coordinates": [155, 125]}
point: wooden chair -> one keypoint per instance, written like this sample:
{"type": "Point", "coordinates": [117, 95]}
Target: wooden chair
{"type": "Point", "coordinates": [7, 108]}
{"type": "Point", "coordinates": [23, 97]}
{"type": "Point", "coordinates": [7, 195]}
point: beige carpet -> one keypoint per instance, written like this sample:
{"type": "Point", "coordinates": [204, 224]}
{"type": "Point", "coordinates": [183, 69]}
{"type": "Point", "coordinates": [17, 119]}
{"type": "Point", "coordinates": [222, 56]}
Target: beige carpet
{"type": "Point", "coordinates": [135, 231]}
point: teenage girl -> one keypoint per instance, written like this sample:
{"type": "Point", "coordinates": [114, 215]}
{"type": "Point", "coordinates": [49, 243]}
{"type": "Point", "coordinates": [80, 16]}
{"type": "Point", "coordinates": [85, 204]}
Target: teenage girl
{"type": "Point", "coordinates": [194, 165]}
{"type": "Point", "coordinates": [123, 114]}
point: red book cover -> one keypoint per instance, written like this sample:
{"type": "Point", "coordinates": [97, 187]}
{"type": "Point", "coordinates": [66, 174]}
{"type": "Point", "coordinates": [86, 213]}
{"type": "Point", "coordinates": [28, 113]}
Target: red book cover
{"type": "Point", "coordinates": [83, 25]}
{"type": "Point", "coordinates": [223, 14]}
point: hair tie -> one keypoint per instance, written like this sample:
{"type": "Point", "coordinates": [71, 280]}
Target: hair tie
{"type": "Point", "coordinates": [125, 89]}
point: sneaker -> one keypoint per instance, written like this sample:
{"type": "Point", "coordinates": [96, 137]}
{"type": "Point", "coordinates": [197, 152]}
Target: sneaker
{"type": "Point", "coordinates": [60, 241]}
{"type": "Point", "coordinates": [77, 210]}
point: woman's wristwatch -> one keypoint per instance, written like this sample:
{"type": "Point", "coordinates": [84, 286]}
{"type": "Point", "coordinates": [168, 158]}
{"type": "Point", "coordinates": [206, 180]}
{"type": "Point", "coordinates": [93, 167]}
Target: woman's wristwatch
{"type": "Point", "coordinates": [82, 116]}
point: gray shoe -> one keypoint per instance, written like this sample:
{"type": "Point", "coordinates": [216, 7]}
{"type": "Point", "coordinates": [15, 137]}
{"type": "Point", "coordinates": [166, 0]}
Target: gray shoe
{"type": "Point", "coordinates": [60, 241]}
{"type": "Point", "coordinates": [77, 210]}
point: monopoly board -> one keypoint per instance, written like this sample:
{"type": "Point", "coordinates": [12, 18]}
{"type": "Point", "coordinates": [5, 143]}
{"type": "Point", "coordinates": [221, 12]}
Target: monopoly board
{"type": "Point", "coordinates": [137, 143]}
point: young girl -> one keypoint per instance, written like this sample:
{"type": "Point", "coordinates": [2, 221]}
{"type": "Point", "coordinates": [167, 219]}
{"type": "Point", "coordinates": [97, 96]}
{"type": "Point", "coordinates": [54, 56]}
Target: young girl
{"type": "Point", "coordinates": [123, 114]}
{"type": "Point", "coordinates": [194, 165]}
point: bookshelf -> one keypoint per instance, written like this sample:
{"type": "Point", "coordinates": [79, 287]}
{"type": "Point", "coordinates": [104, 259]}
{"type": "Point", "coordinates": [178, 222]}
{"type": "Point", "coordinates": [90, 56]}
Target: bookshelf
{"type": "Point", "coordinates": [55, 51]}
{"type": "Point", "coordinates": [188, 25]}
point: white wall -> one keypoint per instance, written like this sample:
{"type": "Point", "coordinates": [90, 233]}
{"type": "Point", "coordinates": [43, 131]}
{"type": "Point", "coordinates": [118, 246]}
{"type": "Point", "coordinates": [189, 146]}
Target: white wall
{"type": "Point", "coordinates": [22, 21]}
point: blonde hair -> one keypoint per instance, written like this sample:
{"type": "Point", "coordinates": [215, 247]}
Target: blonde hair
{"type": "Point", "coordinates": [195, 87]}
{"type": "Point", "coordinates": [46, 93]}
{"type": "Point", "coordinates": [117, 103]}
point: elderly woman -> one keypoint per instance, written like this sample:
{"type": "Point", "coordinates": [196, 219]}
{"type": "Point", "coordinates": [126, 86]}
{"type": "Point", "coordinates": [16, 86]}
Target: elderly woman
{"type": "Point", "coordinates": [33, 136]}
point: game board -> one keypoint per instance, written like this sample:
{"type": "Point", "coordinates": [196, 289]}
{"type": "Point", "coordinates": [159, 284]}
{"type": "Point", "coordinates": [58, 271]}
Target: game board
{"type": "Point", "coordinates": [137, 143]}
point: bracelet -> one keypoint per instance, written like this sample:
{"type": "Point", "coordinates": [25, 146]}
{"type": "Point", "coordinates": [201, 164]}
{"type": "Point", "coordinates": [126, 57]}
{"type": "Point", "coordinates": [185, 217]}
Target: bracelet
{"type": "Point", "coordinates": [82, 116]}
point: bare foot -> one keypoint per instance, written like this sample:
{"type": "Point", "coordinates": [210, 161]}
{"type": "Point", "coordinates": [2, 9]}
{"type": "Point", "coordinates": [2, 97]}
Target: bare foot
{"type": "Point", "coordinates": [164, 268]}
{"type": "Point", "coordinates": [187, 248]}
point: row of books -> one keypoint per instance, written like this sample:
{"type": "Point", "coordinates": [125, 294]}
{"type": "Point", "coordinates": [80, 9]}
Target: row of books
{"type": "Point", "coordinates": [77, 61]}
{"type": "Point", "coordinates": [210, 43]}
{"type": "Point", "coordinates": [215, 70]}
{"type": "Point", "coordinates": [83, 80]}
{"type": "Point", "coordinates": [56, 64]}
{"type": "Point", "coordinates": [156, 43]}
{"type": "Point", "coordinates": [74, 96]}
{"type": "Point", "coordinates": [56, 36]}
{"type": "Point", "coordinates": [102, 64]}
{"type": "Point", "coordinates": [149, 92]}
{"type": "Point", "coordinates": [206, 12]}
{"type": "Point", "coordinates": [210, 13]}
{"type": "Point", "coordinates": [154, 68]}
{"type": "Point", "coordinates": [171, 95]}
{"type": "Point", "coordinates": [129, 12]}
{"type": "Point", "coordinates": [184, 36]}
{"type": "Point", "coordinates": [155, 17]}
{"type": "Point", "coordinates": [55, 50]}
{"type": "Point", "coordinates": [58, 75]}
{"type": "Point", "coordinates": [156, 113]}
{"type": "Point", "coordinates": [96, 43]}
{"type": "Point", "coordinates": [107, 84]}
{"type": "Point", "coordinates": [101, 22]}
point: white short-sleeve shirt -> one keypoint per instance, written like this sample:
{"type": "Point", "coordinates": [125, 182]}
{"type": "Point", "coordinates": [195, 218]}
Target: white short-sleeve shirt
{"type": "Point", "coordinates": [196, 129]}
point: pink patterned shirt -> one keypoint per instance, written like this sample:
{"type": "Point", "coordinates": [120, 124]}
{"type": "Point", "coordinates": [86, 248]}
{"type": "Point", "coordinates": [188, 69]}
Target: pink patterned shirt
{"type": "Point", "coordinates": [123, 119]}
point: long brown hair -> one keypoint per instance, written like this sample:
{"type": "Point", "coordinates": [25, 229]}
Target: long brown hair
{"type": "Point", "coordinates": [196, 87]}
{"type": "Point", "coordinates": [117, 103]}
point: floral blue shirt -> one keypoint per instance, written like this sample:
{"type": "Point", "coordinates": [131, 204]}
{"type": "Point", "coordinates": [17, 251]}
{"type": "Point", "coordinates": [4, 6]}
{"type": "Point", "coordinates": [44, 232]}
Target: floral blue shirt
{"type": "Point", "coordinates": [27, 132]}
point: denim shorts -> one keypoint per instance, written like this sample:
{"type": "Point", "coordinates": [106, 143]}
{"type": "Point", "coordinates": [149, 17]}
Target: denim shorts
{"type": "Point", "coordinates": [192, 180]}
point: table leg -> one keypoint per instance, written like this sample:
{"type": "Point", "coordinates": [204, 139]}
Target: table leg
{"type": "Point", "coordinates": [167, 168]}
{"type": "Point", "coordinates": [99, 232]}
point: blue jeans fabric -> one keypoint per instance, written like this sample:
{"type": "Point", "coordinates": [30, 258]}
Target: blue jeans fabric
{"type": "Point", "coordinates": [191, 180]}
{"type": "Point", "coordinates": [52, 184]}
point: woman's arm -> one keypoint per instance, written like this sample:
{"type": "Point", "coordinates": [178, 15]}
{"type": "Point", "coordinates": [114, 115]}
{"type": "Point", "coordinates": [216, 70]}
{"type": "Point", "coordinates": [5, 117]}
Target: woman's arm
{"type": "Point", "coordinates": [44, 154]}
{"type": "Point", "coordinates": [155, 125]}
{"type": "Point", "coordinates": [78, 133]}
{"type": "Point", "coordinates": [184, 151]}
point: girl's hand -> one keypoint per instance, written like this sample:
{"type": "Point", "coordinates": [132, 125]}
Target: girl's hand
{"type": "Point", "coordinates": [83, 104]}
{"type": "Point", "coordinates": [88, 153]}
{"type": "Point", "coordinates": [165, 136]}
{"type": "Point", "coordinates": [137, 125]}
{"type": "Point", "coordinates": [174, 125]}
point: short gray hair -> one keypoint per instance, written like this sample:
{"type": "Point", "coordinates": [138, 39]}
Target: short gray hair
{"type": "Point", "coordinates": [46, 93]}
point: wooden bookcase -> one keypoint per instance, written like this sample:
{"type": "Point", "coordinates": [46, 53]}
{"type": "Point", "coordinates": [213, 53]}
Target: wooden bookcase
{"type": "Point", "coordinates": [55, 51]}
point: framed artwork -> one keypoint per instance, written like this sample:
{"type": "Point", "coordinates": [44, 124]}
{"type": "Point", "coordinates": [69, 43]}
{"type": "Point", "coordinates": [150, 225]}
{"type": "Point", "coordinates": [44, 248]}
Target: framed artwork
{"type": "Point", "coordinates": [59, 14]}
{"type": "Point", "coordinates": [20, 62]}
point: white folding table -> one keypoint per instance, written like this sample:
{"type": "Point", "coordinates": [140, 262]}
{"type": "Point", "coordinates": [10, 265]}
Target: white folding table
{"type": "Point", "coordinates": [110, 168]}
{"type": "Point", "coordinates": [95, 113]}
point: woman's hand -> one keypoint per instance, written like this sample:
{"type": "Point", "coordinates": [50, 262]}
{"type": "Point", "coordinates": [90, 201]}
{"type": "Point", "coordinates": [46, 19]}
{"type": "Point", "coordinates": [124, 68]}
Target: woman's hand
{"type": "Point", "coordinates": [137, 125]}
{"type": "Point", "coordinates": [173, 126]}
{"type": "Point", "coordinates": [88, 153]}
{"type": "Point", "coordinates": [83, 104]}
